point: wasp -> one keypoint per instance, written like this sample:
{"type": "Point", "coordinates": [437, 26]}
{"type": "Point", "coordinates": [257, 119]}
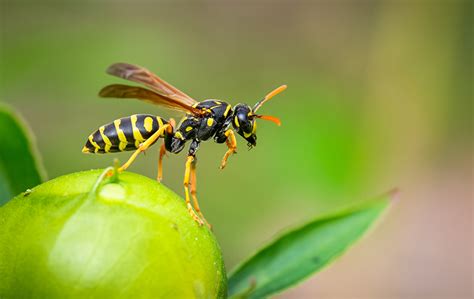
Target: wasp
{"type": "Point", "coordinates": [203, 120]}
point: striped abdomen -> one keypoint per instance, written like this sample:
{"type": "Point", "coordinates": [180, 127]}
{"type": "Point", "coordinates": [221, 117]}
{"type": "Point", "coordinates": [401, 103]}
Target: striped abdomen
{"type": "Point", "coordinates": [123, 134]}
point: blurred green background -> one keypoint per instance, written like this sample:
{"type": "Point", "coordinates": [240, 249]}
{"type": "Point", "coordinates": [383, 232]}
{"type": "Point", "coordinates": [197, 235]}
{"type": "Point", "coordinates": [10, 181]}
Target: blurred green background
{"type": "Point", "coordinates": [379, 96]}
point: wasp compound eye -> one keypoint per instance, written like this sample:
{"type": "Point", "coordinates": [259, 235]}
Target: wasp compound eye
{"type": "Point", "coordinates": [243, 119]}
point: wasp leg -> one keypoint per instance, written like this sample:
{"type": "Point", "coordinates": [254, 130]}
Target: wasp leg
{"type": "Point", "coordinates": [160, 162]}
{"type": "Point", "coordinates": [193, 187]}
{"type": "Point", "coordinates": [144, 146]}
{"type": "Point", "coordinates": [187, 174]}
{"type": "Point", "coordinates": [231, 144]}
{"type": "Point", "coordinates": [159, 177]}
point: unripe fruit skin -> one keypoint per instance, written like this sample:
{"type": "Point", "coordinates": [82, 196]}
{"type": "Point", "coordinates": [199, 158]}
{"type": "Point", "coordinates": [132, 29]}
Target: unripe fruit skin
{"type": "Point", "coordinates": [133, 238]}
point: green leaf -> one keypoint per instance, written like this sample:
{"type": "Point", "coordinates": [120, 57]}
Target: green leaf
{"type": "Point", "coordinates": [303, 251]}
{"type": "Point", "coordinates": [19, 166]}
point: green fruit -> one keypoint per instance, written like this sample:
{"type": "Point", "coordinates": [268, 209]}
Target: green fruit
{"type": "Point", "coordinates": [131, 237]}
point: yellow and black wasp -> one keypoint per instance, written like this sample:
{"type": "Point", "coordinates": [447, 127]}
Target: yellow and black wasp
{"type": "Point", "coordinates": [203, 120]}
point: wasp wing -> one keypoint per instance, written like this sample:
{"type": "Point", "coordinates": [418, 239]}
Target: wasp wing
{"type": "Point", "coordinates": [136, 92]}
{"type": "Point", "coordinates": [141, 75]}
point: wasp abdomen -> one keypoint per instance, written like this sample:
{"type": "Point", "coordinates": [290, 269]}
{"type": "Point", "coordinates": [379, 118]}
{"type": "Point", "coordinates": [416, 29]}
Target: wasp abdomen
{"type": "Point", "coordinates": [123, 134]}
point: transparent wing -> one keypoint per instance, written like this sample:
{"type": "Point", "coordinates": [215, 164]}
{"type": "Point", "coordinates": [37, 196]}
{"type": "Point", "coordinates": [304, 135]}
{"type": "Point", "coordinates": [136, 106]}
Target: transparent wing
{"type": "Point", "coordinates": [141, 75]}
{"type": "Point", "coordinates": [136, 92]}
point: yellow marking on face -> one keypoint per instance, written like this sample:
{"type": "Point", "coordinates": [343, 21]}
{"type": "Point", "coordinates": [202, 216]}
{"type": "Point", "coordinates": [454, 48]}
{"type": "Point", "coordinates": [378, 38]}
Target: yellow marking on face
{"type": "Point", "coordinates": [148, 124]}
{"type": "Point", "coordinates": [227, 110]}
{"type": "Point", "coordinates": [136, 132]}
{"type": "Point", "coordinates": [236, 121]}
{"type": "Point", "coordinates": [210, 121]}
{"type": "Point", "coordinates": [249, 114]}
{"type": "Point", "coordinates": [96, 146]}
{"type": "Point", "coordinates": [247, 135]}
{"type": "Point", "coordinates": [121, 135]}
{"type": "Point", "coordinates": [189, 128]}
{"type": "Point", "coordinates": [254, 127]}
{"type": "Point", "coordinates": [85, 149]}
{"type": "Point", "coordinates": [195, 105]}
{"type": "Point", "coordinates": [106, 139]}
{"type": "Point", "coordinates": [179, 135]}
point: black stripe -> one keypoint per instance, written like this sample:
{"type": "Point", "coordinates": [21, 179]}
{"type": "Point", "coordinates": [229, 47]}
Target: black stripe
{"type": "Point", "coordinates": [141, 125]}
{"type": "Point", "coordinates": [111, 133]}
{"type": "Point", "coordinates": [114, 149]}
{"type": "Point", "coordinates": [98, 139]}
{"type": "Point", "coordinates": [89, 146]}
{"type": "Point", "coordinates": [126, 127]}
{"type": "Point", "coordinates": [130, 147]}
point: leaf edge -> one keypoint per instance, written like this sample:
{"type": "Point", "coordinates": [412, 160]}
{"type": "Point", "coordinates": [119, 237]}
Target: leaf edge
{"type": "Point", "coordinates": [389, 196]}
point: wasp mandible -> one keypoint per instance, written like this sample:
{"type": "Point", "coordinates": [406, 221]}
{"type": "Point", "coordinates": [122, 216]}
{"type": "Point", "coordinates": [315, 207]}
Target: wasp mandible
{"type": "Point", "coordinates": [203, 120]}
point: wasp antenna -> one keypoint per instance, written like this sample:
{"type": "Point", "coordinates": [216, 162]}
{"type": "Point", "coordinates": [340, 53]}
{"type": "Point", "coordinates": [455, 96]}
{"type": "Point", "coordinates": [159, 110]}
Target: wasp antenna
{"type": "Point", "coordinates": [270, 95]}
{"type": "Point", "coordinates": [273, 119]}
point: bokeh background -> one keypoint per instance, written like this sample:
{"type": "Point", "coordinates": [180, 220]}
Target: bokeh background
{"type": "Point", "coordinates": [380, 96]}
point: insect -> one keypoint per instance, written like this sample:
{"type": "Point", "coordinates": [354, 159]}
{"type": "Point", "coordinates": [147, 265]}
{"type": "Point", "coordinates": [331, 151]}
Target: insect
{"type": "Point", "coordinates": [203, 120]}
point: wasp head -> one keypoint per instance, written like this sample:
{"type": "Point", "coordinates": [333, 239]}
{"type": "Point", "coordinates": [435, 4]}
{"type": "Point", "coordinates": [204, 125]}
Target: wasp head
{"type": "Point", "coordinates": [244, 117]}
{"type": "Point", "coordinates": [244, 123]}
